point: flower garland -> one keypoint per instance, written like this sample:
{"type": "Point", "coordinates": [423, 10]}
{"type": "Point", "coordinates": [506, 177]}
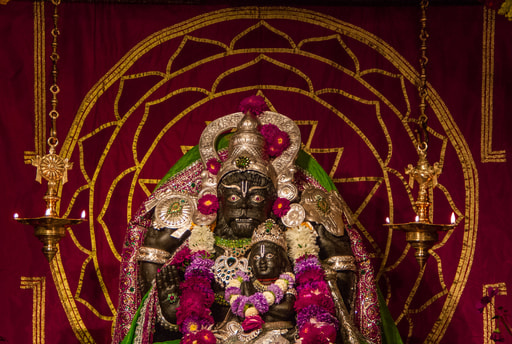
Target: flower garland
{"type": "Point", "coordinates": [302, 241]}
{"type": "Point", "coordinates": [194, 316]}
{"type": "Point", "coordinates": [316, 320]}
{"type": "Point", "coordinates": [250, 307]}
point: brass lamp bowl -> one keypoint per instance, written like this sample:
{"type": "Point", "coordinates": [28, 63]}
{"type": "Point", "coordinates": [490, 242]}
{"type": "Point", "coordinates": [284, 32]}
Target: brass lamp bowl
{"type": "Point", "coordinates": [422, 236]}
{"type": "Point", "coordinates": [49, 230]}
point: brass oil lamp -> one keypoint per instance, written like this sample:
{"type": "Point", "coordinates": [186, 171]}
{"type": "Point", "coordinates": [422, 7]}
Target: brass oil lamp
{"type": "Point", "coordinates": [422, 234]}
{"type": "Point", "coordinates": [50, 228]}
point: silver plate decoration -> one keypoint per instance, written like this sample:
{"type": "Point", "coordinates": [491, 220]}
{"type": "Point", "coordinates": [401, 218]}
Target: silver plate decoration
{"type": "Point", "coordinates": [295, 216]}
{"type": "Point", "coordinates": [325, 208]}
{"type": "Point", "coordinates": [175, 211]}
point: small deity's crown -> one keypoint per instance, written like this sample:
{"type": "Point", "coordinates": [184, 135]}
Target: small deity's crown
{"type": "Point", "coordinates": [269, 231]}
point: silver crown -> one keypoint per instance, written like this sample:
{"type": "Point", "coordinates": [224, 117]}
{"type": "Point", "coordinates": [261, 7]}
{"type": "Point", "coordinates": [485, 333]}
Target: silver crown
{"type": "Point", "coordinates": [269, 231]}
{"type": "Point", "coordinates": [246, 151]}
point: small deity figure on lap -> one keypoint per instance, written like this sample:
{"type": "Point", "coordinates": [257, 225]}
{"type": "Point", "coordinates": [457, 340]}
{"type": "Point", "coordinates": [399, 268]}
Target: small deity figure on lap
{"type": "Point", "coordinates": [263, 303]}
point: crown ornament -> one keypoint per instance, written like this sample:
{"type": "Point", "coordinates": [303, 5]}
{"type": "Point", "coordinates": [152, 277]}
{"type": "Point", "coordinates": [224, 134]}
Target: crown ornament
{"type": "Point", "coordinates": [246, 150]}
{"type": "Point", "coordinates": [269, 231]}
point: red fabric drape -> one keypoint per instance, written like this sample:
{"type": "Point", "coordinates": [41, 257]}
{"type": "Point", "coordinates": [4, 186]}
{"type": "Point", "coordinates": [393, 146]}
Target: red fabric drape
{"type": "Point", "coordinates": [139, 82]}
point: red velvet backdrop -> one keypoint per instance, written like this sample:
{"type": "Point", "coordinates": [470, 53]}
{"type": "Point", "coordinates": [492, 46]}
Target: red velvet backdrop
{"type": "Point", "coordinates": [139, 82]}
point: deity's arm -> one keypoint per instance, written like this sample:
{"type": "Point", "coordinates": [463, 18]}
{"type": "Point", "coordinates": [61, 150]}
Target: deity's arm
{"type": "Point", "coordinates": [348, 331]}
{"type": "Point", "coordinates": [158, 247]}
{"type": "Point", "coordinates": [336, 253]}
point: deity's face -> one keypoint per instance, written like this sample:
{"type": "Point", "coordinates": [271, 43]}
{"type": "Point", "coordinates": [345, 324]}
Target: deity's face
{"type": "Point", "coordinates": [267, 260]}
{"type": "Point", "coordinates": [246, 200]}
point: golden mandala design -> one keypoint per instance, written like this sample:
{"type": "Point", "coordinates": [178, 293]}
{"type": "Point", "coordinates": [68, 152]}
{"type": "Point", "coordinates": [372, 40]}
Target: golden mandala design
{"type": "Point", "coordinates": [120, 73]}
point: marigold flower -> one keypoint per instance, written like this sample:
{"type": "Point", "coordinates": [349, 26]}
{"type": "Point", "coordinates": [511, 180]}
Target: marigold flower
{"type": "Point", "coordinates": [269, 131]}
{"type": "Point", "coordinates": [278, 144]}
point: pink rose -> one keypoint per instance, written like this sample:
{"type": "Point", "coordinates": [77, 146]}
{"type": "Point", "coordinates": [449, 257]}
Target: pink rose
{"type": "Point", "coordinates": [252, 322]}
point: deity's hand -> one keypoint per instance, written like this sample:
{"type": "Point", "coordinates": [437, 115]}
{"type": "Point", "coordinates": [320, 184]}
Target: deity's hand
{"type": "Point", "coordinates": [282, 311]}
{"type": "Point", "coordinates": [332, 245]}
{"type": "Point", "coordinates": [337, 253]}
{"type": "Point", "coordinates": [167, 283]}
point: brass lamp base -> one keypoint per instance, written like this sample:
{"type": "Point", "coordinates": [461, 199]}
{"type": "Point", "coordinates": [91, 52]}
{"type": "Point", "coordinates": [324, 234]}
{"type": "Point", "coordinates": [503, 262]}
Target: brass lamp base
{"type": "Point", "coordinates": [421, 236]}
{"type": "Point", "coordinates": [49, 230]}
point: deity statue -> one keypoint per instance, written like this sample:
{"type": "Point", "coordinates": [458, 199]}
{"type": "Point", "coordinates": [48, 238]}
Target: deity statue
{"type": "Point", "coordinates": [203, 257]}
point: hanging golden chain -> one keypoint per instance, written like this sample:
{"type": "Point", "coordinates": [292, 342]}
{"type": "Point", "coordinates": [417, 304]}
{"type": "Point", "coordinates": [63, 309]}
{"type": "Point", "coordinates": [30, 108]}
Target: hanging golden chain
{"type": "Point", "coordinates": [54, 88]}
{"type": "Point", "coordinates": [423, 136]}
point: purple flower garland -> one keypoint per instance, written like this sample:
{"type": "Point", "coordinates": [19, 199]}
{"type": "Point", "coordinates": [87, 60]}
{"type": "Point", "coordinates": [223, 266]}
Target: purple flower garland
{"type": "Point", "coordinates": [194, 315]}
{"type": "Point", "coordinates": [316, 320]}
{"type": "Point", "coordinates": [250, 307]}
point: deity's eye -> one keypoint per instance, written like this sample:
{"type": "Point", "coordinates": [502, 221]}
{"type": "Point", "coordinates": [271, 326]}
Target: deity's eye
{"type": "Point", "coordinates": [233, 198]}
{"type": "Point", "coordinates": [258, 198]}
{"type": "Point", "coordinates": [256, 257]}
{"type": "Point", "coordinates": [269, 255]}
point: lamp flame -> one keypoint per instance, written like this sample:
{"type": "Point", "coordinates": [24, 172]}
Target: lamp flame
{"type": "Point", "coordinates": [387, 219]}
{"type": "Point", "coordinates": [48, 212]}
{"type": "Point", "coordinates": [417, 218]}
{"type": "Point", "coordinates": [83, 214]}
{"type": "Point", "coordinates": [16, 215]}
{"type": "Point", "coordinates": [452, 219]}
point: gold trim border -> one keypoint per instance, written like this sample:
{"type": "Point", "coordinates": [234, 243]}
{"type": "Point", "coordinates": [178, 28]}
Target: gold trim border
{"type": "Point", "coordinates": [67, 300]}
{"type": "Point", "coordinates": [488, 33]}
{"type": "Point", "coordinates": [489, 313]}
{"type": "Point", "coordinates": [39, 84]}
{"type": "Point", "coordinates": [38, 286]}
{"type": "Point", "coordinates": [470, 172]}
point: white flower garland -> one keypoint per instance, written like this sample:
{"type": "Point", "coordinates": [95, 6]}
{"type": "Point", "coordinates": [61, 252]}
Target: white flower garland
{"type": "Point", "coordinates": [302, 241]}
{"type": "Point", "coordinates": [201, 239]}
